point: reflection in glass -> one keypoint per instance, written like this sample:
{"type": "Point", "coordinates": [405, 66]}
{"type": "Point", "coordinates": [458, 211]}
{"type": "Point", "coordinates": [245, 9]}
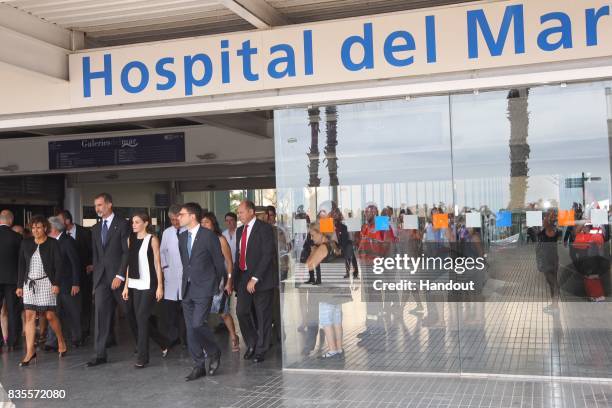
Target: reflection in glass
{"type": "Point", "coordinates": [508, 189]}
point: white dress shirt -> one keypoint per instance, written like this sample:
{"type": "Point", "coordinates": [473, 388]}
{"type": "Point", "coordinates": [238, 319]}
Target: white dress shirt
{"type": "Point", "coordinates": [249, 229]}
{"type": "Point", "coordinates": [231, 240]}
{"type": "Point", "coordinates": [73, 231]}
{"type": "Point", "coordinates": [109, 221]}
{"type": "Point", "coordinates": [172, 265]}
{"type": "Point", "coordinates": [194, 232]}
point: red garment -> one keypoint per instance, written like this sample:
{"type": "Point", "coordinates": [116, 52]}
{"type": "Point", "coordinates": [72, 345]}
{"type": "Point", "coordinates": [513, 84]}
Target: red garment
{"type": "Point", "coordinates": [372, 244]}
{"type": "Point", "coordinates": [243, 241]}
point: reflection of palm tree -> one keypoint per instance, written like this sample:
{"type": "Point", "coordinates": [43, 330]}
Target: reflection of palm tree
{"type": "Point", "coordinates": [331, 115]}
{"type": "Point", "coordinates": [313, 155]}
{"type": "Point", "coordinates": [518, 115]}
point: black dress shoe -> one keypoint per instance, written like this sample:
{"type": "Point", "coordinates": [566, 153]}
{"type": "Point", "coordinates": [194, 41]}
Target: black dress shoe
{"type": "Point", "coordinates": [215, 362]}
{"type": "Point", "coordinates": [258, 359]}
{"type": "Point", "coordinates": [96, 362]}
{"type": "Point", "coordinates": [249, 353]}
{"type": "Point", "coordinates": [196, 373]}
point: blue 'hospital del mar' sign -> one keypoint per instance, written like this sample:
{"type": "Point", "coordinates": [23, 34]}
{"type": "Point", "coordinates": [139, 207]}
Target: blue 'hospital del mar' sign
{"type": "Point", "coordinates": [117, 151]}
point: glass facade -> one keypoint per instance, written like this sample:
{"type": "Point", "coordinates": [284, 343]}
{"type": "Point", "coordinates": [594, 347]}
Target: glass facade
{"type": "Point", "coordinates": [510, 187]}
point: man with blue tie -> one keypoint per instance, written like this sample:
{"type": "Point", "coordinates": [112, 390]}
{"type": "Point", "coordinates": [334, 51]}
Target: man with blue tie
{"type": "Point", "coordinates": [110, 259]}
{"type": "Point", "coordinates": [203, 270]}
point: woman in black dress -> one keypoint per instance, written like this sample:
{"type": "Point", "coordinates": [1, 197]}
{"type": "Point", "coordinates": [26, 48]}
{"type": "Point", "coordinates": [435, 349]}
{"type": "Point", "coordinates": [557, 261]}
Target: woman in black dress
{"type": "Point", "coordinates": [144, 286]}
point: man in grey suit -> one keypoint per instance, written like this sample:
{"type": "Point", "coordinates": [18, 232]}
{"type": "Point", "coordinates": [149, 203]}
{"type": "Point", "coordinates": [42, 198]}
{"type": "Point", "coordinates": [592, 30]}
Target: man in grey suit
{"type": "Point", "coordinates": [203, 269]}
{"type": "Point", "coordinates": [110, 259]}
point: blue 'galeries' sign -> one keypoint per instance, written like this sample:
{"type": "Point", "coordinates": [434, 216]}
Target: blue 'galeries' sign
{"type": "Point", "coordinates": [117, 151]}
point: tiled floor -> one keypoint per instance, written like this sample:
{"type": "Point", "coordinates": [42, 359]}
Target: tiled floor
{"type": "Point", "coordinates": [510, 333]}
{"type": "Point", "coordinates": [244, 385]}
{"type": "Point", "coordinates": [392, 391]}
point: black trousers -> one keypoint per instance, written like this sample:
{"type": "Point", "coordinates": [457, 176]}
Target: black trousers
{"type": "Point", "coordinates": [86, 282]}
{"type": "Point", "coordinates": [7, 293]}
{"type": "Point", "coordinates": [69, 312]}
{"type": "Point", "coordinates": [139, 309]}
{"type": "Point", "coordinates": [106, 301]}
{"type": "Point", "coordinates": [200, 336]}
{"type": "Point", "coordinates": [256, 330]}
{"type": "Point", "coordinates": [172, 321]}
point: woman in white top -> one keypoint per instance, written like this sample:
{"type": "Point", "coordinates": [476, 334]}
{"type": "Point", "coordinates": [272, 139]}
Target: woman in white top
{"type": "Point", "coordinates": [144, 285]}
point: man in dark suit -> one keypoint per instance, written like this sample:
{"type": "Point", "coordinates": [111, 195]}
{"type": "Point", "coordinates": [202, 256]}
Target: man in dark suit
{"type": "Point", "coordinates": [82, 237]}
{"type": "Point", "coordinates": [203, 269]}
{"type": "Point", "coordinates": [256, 274]}
{"type": "Point", "coordinates": [69, 299]}
{"type": "Point", "coordinates": [110, 259]}
{"type": "Point", "coordinates": [10, 242]}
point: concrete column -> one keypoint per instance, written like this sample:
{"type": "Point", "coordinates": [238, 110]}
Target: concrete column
{"type": "Point", "coordinates": [222, 204]}
{"type": "Point", "coordinates": [73, 203]}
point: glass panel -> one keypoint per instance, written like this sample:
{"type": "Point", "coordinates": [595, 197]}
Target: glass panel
{"type": "Point", "coordinates": [364, 163]}
{"type": "Point", "coordinates": [535, 165]}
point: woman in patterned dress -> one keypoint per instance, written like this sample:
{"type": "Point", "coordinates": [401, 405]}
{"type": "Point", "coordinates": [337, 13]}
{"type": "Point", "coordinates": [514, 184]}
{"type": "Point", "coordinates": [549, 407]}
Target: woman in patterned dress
{"type": "Point", "coordinates": [40, 265]}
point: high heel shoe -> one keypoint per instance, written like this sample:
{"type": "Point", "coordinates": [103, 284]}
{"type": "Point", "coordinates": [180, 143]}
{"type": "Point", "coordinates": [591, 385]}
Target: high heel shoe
{"type": "Point", "coordinates": [63, 353]}
{"type": "Point", "coordinates": [25, 363]}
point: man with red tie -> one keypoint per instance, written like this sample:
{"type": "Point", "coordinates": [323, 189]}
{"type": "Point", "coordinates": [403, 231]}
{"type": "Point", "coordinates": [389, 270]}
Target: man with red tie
{"type": "Point", "coordinates": [256, 276]}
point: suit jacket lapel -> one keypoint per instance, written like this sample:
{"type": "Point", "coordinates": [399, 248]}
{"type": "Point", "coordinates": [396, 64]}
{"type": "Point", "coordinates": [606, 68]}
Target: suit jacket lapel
{"type": "Point", "coordinates": [197, 237]}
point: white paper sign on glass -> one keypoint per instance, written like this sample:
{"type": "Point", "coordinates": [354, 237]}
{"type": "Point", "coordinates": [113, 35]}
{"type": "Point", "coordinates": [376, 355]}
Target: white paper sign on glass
{"type": "Point", "coordinates": [353, 224]}
{"type": "Point", "coordinates": [473, 220]}
{"type": "Point", "coordinates": [534, 218]}
{"type": "Point", "coordinates": [411, 222]}
{"type": "Point", "coordinates": [300, 226]}
{"type": "Point", "coordinates": [599, 217]}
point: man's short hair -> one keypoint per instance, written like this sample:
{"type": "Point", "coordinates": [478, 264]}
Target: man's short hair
{"type": "Point", "coordinates": [57, 224]}
{"type": "Point", "coordinates": [174, 209]}
{"type": "Point", "coordinates": [107, 197]}
{"type": "Point", "coordinates": [193, 208]}
{"type": "Point", "coordinates": [7, 217]}
{"type": "Point", "coordinates": [271, 209]}
{"type": "Point", "coordinates": [249, 205]}
{"type": "Point", "coordinates": [231, 214]}
{"type": "Point", "coordinates": [66, 214]}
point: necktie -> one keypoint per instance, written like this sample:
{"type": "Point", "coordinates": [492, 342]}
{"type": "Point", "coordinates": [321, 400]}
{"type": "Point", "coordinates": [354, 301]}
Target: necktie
{"type": "Point", "coordinates": [69, 234]}
{"type": "Point", "coordinates": [178, 232]}
{"type": "Point", "coordinates": [104, 233]}
{"type": "Point", "coordinates": [243, 241]}
{"type": "Point", "coordinates": [189, 244]}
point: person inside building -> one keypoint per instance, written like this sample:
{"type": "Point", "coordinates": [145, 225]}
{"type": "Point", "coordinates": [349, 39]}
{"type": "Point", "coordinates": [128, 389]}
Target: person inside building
{"type": "Point", "coordinates": [256, 277]}
{"type": "Point", "coordinates": [82, 237]}
{"type": "Point", "coordinates": [172, 320]}
{"type": "Point", "coordinates": [345, 243]}
{"type": "Point", "coordinates": [283, 247]}
{"type": "Point", "coordinates": [10, 242]}
{"type": "Point", "coordinates": [69, 298]}
{"type": "Point", "coordinates": [330, 307]}
{"type": "Point", "coordinates": [144, 285]}
{"type": "Point", "coordinates": [110, 260]}
{"type": "Point", "coordinates": [203, 270]}
{"type": "Point", "coordinates": [231, 222]}
{"type": "Point", "coordinates": [209, 221]}
{"type": "Point", "coordinates": [40, 267]}
{"type": "Point", "coordinates": [371, 243]}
